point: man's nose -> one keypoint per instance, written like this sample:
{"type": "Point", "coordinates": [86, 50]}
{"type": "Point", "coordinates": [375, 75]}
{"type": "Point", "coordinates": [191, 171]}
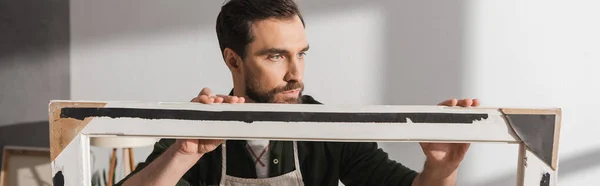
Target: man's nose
{"type": "Point", "coordinates": [294, 71]}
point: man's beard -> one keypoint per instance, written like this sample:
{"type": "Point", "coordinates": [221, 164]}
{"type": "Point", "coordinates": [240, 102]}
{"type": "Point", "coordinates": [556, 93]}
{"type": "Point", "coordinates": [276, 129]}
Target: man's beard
{"type": "Point", "coordinates": [269, 96]}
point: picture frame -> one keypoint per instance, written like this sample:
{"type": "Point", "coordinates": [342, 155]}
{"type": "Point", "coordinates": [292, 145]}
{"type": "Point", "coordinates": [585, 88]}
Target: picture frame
{"type": "Point", "coordinates": [23, 165]}
{"type": "Point", "coordinates": [72, 123]}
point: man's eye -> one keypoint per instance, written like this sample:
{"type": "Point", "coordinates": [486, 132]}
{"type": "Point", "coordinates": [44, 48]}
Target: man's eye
{"type": "Point", "coordinates": [301, 54]}
{"type": "Point", "coordinates": [275, 57]}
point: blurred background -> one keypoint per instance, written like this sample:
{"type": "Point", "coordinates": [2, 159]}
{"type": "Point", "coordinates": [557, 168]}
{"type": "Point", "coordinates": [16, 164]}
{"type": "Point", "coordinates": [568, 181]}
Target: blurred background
{"type": "Point", "coordinates": [510, 53]}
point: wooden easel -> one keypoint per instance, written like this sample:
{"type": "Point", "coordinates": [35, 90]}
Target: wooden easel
{"type": "Point", "coordinates": [128, 163]}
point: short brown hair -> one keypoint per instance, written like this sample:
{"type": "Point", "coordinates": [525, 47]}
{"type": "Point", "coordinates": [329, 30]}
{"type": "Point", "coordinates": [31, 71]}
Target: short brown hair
{"type": "Point", "coordinates": [236, 17]}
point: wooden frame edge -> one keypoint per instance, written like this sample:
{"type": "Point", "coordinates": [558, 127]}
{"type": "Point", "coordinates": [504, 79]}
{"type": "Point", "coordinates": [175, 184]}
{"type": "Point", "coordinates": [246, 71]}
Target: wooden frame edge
{"type": "Point", "coordinates": [557, 126]}
{"type": "Point", "coordinates": [521, 164]}
{"type": "Point", "coordinates": [555, 111]}
{"type": "Point", "coordinates": [557, 129]}
{"type": "Point", "coordinates": [4, 166]}
{"type": "Point", "coordinates": [64, 130]}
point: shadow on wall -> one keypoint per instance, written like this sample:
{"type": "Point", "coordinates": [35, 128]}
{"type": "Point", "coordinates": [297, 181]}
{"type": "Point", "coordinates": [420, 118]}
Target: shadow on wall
{"type": "Point", "coordinates": [34, 58]}
{"type": "Point", "coordinates": [39, 34]}
{"type": "Point", "coordinates": [566, 168]}
{"type": "Point", "coordinates": [151, 17]}
{"type": "Point", "coordinates": [424, 47]}
{"type": "Point", "coordinates": [423, 56]}
{"type": "Point", "coordinates": [35, 171]}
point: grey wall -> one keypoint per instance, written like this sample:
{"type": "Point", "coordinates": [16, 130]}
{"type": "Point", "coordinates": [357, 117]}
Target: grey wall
{"type": "Point", "coordinates": [34, 68]}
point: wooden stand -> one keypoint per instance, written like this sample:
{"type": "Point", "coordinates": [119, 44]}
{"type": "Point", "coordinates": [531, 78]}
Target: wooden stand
{"type": "Point", "coordinates": [128, 163]}
{"type": "Point", "coordinates": [126, 144]}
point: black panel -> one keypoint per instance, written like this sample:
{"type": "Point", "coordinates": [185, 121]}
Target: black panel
{"type": "Point", "coordinates": [537, 132]}
{"type": "Point", "coordinates": [250, 116]}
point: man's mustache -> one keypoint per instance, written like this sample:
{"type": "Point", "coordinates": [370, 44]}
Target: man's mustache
{"type": "Point", "coordinates": [288, 87]}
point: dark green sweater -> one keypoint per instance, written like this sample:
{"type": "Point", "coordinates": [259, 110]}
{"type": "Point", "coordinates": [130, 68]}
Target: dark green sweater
{"type": "Point", "coordinates": [321, 163]}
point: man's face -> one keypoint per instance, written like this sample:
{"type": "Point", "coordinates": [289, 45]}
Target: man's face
{"type": "Point", "coordinates": [274, 64]}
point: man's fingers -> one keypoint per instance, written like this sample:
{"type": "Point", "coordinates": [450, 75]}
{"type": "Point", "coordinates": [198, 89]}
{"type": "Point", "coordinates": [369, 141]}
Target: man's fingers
{"type": "Point", "coordinates": [469, 103]}
{"type": "Point", "coordinates": [465, 102]}
{"type": "Point", "coordinates": [218, 99]}
{"type": "Point", "coordinates": [462, 102]}
{"type": "Point", "coordinates": [231, 99]}
{"type": "Point", "coordinates": [206, 96]}
{"type": "Point", "coordinates": [206, 91]}
{"type": "Point", "coordinates": [476, 102]}
{"type": "Point", "coordinates": [451, 102]}
{"type": "Point", "coordinates": [215, 141]}
{"type": "Point", "coordinates": [206, 99]}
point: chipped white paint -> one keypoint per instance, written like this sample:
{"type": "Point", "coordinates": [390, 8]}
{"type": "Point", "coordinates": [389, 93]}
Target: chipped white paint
{"type": "Point", "coordinates": [533, 171]}
{"type": "Point", "coordinates": [73, 163]}
{"type": "Point", "coordinates": [306, 131]}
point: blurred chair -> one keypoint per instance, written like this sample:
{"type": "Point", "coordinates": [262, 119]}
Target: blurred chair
{"type": "Point", "coordinates": [126, 144]}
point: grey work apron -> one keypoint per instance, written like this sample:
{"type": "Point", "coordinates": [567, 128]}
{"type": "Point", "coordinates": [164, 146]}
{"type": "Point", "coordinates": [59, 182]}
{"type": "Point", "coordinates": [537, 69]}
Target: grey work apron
{"type": "Point", "coordinates": [293, 178]}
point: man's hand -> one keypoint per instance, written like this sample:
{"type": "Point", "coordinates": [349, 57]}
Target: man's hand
{"type": "Point", "coordinates": [202, 146]}
{"type": "Point", "coordinates": [206, 96]}
{"type": "Point", "coordinates": [443, 159]}
{"type": "Point", "coordinates": [172, 164]}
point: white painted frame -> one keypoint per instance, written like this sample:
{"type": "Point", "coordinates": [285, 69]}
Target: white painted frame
{"type": "Point", "coordinates": [70, 136]}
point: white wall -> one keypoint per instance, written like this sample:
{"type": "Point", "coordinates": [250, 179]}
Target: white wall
{"type": "Point", "coordinates": [537, 53]}
{"type": "Point", "coordinates": [509, 53]}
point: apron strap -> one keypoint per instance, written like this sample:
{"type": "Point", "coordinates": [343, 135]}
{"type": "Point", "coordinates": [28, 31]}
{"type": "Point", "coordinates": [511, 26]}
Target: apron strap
{"type": "Point", "coordinates": [297, 163]}
{"type": "Point", "coordinates": [223, 160]}
{"type": "Point", "coordinates": [296, 159]}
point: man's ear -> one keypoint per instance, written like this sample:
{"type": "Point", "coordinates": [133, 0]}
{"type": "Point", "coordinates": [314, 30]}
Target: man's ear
{"type": "Point", "coordinates": [232, 60]}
